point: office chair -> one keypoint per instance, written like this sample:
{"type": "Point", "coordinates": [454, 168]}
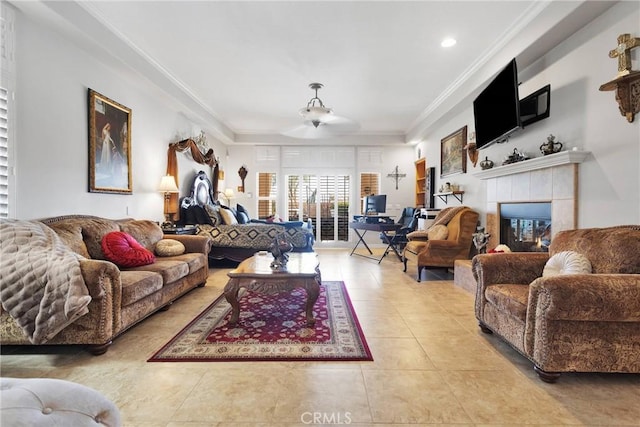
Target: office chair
{"type": "Point", "coordinates": [409, 221]}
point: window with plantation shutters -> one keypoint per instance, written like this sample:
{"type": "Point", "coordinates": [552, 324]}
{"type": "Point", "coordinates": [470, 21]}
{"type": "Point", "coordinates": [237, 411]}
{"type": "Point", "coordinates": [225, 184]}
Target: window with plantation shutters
{"type": "Point", "coordinates": [7, 116]}
{"type": "Point", "coordinates": [369, 184]}
{"type": "Point", "coordinates": [322, 200]}
{"type": "Point", "coordinates": [267, 194]}
{"type": "Point", "coordinates": [4, 153]}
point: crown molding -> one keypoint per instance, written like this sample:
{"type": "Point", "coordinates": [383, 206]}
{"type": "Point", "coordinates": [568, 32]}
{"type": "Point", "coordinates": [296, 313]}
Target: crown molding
{"type": "Point", "coordinates": [83, 24]}
{"type": "Point", "coordinates": [543, 26]}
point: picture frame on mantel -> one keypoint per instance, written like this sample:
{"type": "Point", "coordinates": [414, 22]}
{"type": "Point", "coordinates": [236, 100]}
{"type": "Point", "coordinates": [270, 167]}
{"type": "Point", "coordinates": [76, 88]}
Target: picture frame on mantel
{"type": "Point", "coordinates": [109, 146]}
{"type": "Point", "coordinates": [453, 159]}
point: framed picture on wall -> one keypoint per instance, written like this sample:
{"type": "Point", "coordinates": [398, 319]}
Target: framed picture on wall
{"type": "Point", "coordinates": [453, 159]}
{"type": "Point", "coordinates": [109, 145]}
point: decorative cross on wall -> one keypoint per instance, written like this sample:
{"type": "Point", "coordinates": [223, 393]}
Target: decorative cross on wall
{"type": "Point", "coordinates": [623, 52]}
{"type": "Point", "coordinates": [397, 175]}
{"type": "Point", "coordinates": [627, 83]}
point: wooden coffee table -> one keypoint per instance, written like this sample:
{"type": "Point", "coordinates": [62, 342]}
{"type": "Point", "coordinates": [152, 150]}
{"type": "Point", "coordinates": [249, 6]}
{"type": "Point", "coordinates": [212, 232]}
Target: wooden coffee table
{"type": "Point", "coordinates": [256, 274]}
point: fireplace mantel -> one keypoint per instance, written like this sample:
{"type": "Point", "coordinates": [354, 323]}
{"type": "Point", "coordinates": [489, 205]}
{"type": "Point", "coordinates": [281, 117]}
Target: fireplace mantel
{"type": "Point", "coordinates": [551, 160]}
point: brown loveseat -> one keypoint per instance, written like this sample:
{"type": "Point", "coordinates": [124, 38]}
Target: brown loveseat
{"type": "Point", "coordinates": [119, 297]}
{"type": "Point", "coordinates": [567, 322]}
{"type": "Point", "coordinates": [443, 250]}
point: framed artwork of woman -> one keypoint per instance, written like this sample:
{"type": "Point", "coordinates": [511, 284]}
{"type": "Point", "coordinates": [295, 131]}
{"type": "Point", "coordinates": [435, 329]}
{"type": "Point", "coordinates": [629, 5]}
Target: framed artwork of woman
{"type": "Point", "coordinates": [109, 146]}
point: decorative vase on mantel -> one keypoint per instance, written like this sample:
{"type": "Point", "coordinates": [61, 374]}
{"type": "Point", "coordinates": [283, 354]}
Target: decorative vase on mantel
{"type": "Point", "coordinates": [551, 146]}
{"type": "Point", "coordinates": [486, 164]}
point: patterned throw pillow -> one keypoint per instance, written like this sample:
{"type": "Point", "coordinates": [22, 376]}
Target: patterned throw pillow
{"type": "Point", "coordinates": [567, 262]}
{"type": "Point", "coordinates": [214, 214]}
{"type": "Point", "coordinates": [169, 247]}
{"type": "Point", "coordinates": [124, 251]}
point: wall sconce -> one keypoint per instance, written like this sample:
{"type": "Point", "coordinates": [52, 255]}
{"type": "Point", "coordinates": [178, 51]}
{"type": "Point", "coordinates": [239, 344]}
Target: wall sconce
{"type": "Point", "coordinates": [167, 186]}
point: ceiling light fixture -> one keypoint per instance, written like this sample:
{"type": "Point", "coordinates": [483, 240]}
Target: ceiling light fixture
{"type": "Point", "coordinates": [448, 42]}
{"type": "Point", "coordinates": [319, 121]}
{"type": "Point", "coordinates": [315, 110]}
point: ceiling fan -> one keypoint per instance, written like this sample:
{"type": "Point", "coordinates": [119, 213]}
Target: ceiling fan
{"type": "Point", "coordinates": [319, 121]}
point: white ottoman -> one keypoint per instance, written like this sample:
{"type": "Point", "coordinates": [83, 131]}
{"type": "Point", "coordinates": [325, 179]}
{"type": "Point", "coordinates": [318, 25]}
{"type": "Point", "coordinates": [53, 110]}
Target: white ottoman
{"type": "Point", "coordinates": [52, 402]}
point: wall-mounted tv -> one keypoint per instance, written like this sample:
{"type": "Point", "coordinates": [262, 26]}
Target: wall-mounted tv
{"type": "Point", "coordinates": [375, 204]}
{"type": "Point", "coordinates": [497, 109]}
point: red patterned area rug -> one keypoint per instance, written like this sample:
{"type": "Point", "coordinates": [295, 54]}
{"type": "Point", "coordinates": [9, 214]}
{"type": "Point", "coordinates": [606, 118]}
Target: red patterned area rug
{"type": "Point", "coordinates": [272, 328]}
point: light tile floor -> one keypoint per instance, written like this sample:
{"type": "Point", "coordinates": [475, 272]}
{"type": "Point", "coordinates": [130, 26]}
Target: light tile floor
{"type": "Point", "coordinates": [432, 367]}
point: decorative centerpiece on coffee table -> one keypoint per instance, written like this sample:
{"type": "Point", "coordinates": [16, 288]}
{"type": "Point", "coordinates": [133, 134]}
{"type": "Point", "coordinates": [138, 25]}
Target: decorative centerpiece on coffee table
{"type": "Point", "coordinates": [279, 249]}
{"type": "Point", "coordinates": [258, 275]}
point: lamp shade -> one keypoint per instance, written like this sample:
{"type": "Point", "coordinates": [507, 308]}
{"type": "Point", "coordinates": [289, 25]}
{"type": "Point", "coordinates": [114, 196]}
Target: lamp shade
{"type": "Point", "coordinates": [229, 194]}
{"type": "Point", "coordinates": [168, 185]}
{"type": "Point", "coordinates": [315, 113]}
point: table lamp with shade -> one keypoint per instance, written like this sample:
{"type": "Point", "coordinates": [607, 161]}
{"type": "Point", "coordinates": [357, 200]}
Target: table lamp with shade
{"type": "Point", "coordinates": [228, 194]}
{"type": "Point", "coordinates": [167, 186]}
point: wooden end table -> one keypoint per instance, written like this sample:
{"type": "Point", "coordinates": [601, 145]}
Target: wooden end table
{"type": "Point", "coordinates": [256, 274]}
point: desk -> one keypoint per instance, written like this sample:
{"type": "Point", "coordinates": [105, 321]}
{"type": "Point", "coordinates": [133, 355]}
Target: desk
{"type": "Point", "coordinates": [383, 228]}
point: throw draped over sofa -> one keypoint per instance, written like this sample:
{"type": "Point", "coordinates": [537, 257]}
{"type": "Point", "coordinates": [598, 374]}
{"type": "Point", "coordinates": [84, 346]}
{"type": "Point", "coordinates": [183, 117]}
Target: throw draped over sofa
{"type": "Point", "coordinates": [120, 296]}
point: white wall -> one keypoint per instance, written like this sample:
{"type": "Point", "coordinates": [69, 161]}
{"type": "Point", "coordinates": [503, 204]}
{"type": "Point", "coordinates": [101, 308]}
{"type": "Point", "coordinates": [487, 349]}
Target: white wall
{"type": "Point", "coordinates": [581, 116]}
{"type": "Point", "coordinates": [52, 130]}
{"type": "Point", "coordinates": [52, 141]}
{"type": "Point", "coordinates": [52, 137]}
{"type": "Point", "coordinates": [351, 160]}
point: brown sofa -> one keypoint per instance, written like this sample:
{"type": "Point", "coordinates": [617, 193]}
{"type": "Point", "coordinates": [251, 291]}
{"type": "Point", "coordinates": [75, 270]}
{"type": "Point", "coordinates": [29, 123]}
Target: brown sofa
{"type": "Point", "coordinates": [119, 297]}
{"type": "Point", "coordinates": [461, 223]}
{"type": "Point", "coordinates": [567, 322]}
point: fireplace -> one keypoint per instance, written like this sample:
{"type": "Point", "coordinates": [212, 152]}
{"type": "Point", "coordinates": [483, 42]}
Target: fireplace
{"type": "Point", "coordinates": [525, 227]}
{"type": "Point", "coordinates": [552, 178]}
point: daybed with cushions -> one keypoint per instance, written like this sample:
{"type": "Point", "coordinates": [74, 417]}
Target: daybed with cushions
{"type": "Point", "coordinates": [233, 234]}
{"type": "Point", "coordinates": [57, 285]}
{"type": "Point", "coordinates": [576, 308]}
{"type": "Point", "coordinates": [236, 241]}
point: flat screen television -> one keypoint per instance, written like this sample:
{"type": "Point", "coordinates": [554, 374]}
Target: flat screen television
{"type": "Point", "coordinates": [375, 204]}
{"type": "Point", "coordinates": [497, 109]}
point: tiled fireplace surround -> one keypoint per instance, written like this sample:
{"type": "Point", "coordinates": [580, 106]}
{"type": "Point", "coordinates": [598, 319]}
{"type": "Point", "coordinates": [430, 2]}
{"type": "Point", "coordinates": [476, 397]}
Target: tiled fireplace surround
{"type": "Point", "coordinates": [552, 178]}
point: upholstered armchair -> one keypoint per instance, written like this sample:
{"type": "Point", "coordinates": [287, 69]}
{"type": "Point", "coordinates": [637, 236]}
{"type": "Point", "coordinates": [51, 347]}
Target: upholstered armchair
{"type": "Point", "coordinates": [449, 238]}
{"type": "Point", "coordinates": [578, 322]}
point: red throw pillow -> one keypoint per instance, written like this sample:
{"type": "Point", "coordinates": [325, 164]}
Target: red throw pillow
{"type": "Point", "coordinates": [124, 251]}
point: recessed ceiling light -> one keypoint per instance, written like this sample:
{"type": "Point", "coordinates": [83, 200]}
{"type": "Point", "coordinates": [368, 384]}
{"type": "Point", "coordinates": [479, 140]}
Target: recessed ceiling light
{"type": "Point", "coordinates": [448, 42]}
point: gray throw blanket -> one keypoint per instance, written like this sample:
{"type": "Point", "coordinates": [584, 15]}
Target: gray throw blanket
{"type": "Point", "coordinates": [41, 285]}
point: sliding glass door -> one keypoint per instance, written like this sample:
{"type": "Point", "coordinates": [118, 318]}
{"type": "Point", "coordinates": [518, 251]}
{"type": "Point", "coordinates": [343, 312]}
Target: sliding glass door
{"type": "Point", "coordinates": [325, 200]}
